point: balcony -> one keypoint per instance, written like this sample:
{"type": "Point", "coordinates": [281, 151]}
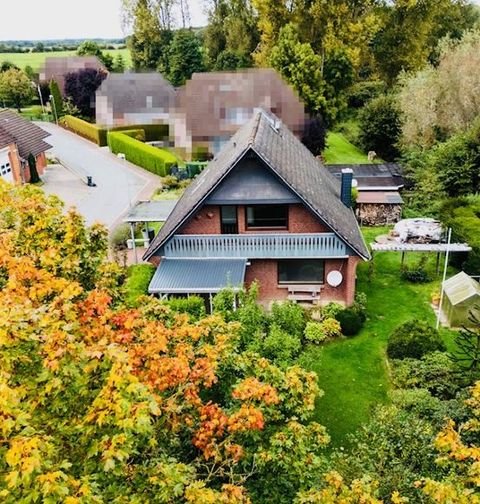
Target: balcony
{"type": "Point", "coordinates": [258, 246]}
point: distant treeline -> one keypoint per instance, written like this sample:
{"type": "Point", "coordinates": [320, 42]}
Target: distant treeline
{"type": "Point", "coordinates": [25, 46]}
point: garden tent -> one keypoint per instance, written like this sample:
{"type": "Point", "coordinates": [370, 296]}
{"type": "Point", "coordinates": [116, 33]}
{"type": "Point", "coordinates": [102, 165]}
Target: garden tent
{"type": "Point", "coordinates": [461, 295]}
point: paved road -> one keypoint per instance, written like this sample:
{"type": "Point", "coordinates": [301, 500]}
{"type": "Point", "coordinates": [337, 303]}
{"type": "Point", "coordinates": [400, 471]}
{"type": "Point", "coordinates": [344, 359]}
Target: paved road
{"type": "Point", "coordinates": [119, 183]}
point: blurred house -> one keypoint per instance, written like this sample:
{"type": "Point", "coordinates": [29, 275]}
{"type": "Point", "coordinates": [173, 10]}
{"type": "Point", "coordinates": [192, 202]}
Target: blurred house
{"type": "Point", "coordinates": [134, 98]}
{"type": "Point", "coordinates": [212, 106]}
{"type": "Point", "coordinates": [57, 67]}
{"type": "Point", "coordinates": [18, 139]}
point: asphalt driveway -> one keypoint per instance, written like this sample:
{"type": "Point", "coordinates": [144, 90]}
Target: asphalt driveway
{"type": "Point", "coordinates": [119, 183]}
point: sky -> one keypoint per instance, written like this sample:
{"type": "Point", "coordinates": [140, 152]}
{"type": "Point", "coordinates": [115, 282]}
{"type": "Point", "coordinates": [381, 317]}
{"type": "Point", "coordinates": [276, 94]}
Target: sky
{"type": "Point", "coordinates": [59, 19]}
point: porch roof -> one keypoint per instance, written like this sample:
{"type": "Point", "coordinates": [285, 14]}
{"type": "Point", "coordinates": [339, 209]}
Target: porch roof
{"type": "Point", "coordinates": [202, 276]}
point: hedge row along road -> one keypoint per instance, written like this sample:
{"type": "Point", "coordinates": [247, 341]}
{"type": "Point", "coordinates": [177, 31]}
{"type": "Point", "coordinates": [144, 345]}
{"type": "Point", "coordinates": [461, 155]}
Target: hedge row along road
{"type": "Point", "coordinates": [119, 183]}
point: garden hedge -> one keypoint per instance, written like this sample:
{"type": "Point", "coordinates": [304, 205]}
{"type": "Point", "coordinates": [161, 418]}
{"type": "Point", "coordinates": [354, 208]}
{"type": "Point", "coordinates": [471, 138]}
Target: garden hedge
{"type": "Point", "coordinates": [137, 134]}
{"type": "Point", "coordinates": [97, 134]}
{"type": "Point", "coordinates": [158, 161]}
{"type": "Point", "coordinates": [83, 128]}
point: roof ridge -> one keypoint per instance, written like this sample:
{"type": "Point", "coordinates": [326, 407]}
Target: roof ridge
{"type": "Point", "coordinates": [253, 135]}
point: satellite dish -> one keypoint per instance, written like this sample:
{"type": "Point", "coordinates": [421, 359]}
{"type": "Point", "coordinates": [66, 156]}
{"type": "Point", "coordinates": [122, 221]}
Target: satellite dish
{"type": "Point", "coordinates": [354, 182]}
{"type": "Point", "coordinates": [334, 278]}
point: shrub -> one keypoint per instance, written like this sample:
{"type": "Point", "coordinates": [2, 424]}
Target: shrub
{"type": "Point", "coordinates": [414, 339]}
{"type": "Point", "coordinates": [434, 372]}
{"type": "Point", "coordinates": [56, 98]}
{"type": "Point", "coordinates": [280, 346]}
{"type": "Point", "coordinates": [153, 132]}
{"type": "Point", "coordinates": [380, 127]}
{"type": "Point", "coordinates": [318, 332]}
{"type": "Point", "coordinates": [417, 274]}
{"type": "Point", "coordinates": [350, 321]}
{"type": "Point", "coordinates": [119, 236]}
{"type": "Point", "coordinates": [331, 310]}
{"type": "Point", "coordinates": [290, 317]}
{"type": "Point", "coordinates": [193, 305]}
{"type": "Point", "coordinates": [136, 285]}
{"type": "Point", "coordinates": [362, 92]}
{"type": "Point", "coordinates": [137, 134]}
{"type": "Point", "coordinates": [155, 160]}
{"type": "Point", "coordinates": [85, 129]}
{"type": "Point", "coordinates": [169, 182]}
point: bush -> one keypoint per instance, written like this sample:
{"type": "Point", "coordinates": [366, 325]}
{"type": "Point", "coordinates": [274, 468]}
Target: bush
{"type": "Point", "coordinates": [153, 132]}
{"type": "Point", "coordinates": [169, 182]}
{"type": "Point", "coordinates": [434, 372]}
{"type": "Point", "coordinates": [155, 160]}
{"type": "Point", "coordinates": [119, 236]}
{"type": "Point", "coordinates": [414, 339]}
{"type": "Point", "coordinates": [380, 127]}
{"type": "Point", "coordinates": [415, 275]}
{"type": "Point", "coordinates": [362, 92]}
{"type": "Point", "coordinates": [351, 321]}
{"type": "Point", "coordinates": [290, 317]}
{"type": "Point", "coordinates": [193, 305]}
{"type": "Point", "coordinates": [331, 310]}
{"type": "Point", "coordinates": [318, 332]}
{"type": "Point", "coordinates": [57, 105]}
{"type": "Point", "coordinates": [280, 346]}
{"type": "Point", "coordinates": [137, 134]}
{"type": "Point", "coordinates": [85, 129]}
{"type": "Point", "coordinates": [136, 285]}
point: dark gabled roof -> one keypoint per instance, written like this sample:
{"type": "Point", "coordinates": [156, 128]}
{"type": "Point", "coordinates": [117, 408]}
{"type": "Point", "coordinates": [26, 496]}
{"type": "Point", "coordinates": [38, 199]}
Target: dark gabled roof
{"type": "Point", "coordinates": [28, 136]}
{"type": "Point", "coordinates": [291, 161]}
{"type": "Point", "coordinates": [380, 177]}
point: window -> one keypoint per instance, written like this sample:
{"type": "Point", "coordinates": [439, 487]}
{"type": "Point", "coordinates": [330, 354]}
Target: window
{"type": "Point", "coordinates": [309, 271]}
{"type": "Point", "coordinates": [267, 216]}
{"type": "Point", "coordinates": [229, 219]}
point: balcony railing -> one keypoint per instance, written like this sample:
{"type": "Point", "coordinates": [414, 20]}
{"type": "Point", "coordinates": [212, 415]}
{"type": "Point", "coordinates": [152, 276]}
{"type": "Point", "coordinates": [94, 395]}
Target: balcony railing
{"type": "Point", "coordinates": [258, 246]}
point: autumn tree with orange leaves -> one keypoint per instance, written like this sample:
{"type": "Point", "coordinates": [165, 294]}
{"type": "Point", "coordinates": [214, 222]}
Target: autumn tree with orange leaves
{"type": "Point", "coordinates": [101, 403]}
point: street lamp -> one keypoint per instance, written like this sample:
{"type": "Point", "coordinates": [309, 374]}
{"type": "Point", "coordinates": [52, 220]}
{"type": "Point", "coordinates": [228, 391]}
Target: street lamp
{"type": "Point", "coordinates": [52, 101]}
{"type": "Point", "coordinates": [37, 86]}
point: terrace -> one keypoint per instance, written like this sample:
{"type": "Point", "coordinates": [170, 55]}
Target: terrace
{"type": "Point", "coordinates": [258, 246]}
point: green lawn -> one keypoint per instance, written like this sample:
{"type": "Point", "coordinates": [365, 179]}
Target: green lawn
{"type": "Point", "coordinates": [340, 151]}
{"type": "Point", "coordinates": [354, 372]}
{"type": "Point", "coordinates": [35, 60]}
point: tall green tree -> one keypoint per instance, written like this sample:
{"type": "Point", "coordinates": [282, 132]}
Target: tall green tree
{"type": "Point", "coordinates": [15, 88]}
{"type": "Point", "coordinates": [150, 40]}
{"type": "Point", "coordinates": [91, 48]}
{"type": "Point", "coordinates": [56, 98]}
{"type": "Point", "coordinates": [300, 67]}
{"type": "Point", "coordinates": [185, 57]}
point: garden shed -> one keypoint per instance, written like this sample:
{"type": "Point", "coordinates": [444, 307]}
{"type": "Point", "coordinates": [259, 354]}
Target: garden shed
{"type": "Point", "coordinates": [461, 295]}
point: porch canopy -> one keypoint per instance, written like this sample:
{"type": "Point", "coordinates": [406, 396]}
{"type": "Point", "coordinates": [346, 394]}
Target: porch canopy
{"type": "Point", "coordinates": [197, 276]}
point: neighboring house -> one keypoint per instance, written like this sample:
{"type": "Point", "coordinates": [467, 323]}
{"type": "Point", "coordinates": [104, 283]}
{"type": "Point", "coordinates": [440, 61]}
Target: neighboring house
{"type": "Point", "coordinates": [58, 67]}
{"type": "Point", "coordinates": [264, 209]}
{"type": "Point", "coordinates": [18, 139]}
{"type": "Point", "coordinates": [212, 106]}
{"type": "Point", "coordinates": [134, 98]}
{"type": "Point", "coordinates": [378, 201]}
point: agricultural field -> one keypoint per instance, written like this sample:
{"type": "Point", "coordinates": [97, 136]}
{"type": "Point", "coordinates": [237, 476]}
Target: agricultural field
{"type": "Point", "coordinates": [35, 60]}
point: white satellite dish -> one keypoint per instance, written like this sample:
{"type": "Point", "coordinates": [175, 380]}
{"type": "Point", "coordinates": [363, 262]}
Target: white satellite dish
{"type": "Point", "coordinates": [334, 278]}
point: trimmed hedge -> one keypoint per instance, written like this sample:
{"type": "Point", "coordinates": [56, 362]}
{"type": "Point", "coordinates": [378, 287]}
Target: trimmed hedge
{"type": "Point", "coordinates": [85, 129]}
{"type": "Point", "coordinates": [158, 161]}
{"type": "Point", "coordinates": [138, 134]}
{"type": "Point", "coordinates": [98, 135]}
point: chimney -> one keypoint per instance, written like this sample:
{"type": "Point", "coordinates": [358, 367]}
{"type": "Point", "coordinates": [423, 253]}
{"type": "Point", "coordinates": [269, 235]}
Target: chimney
{"type": "Point", "coordinates": [346, 189]}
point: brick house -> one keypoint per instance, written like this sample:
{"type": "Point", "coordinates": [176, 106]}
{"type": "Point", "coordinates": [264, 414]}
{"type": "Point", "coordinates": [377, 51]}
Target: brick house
{"type": "Point", "coordinates": [264, 209]}
{"type": "Point", "coordinates": [18, 139]}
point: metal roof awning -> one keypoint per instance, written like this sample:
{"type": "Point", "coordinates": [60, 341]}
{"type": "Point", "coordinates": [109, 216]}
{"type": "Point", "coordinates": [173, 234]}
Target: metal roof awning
{"type": "Point", "coordinates": [150, 211]}
{"type": "Point", "coordinates": [197, 276]}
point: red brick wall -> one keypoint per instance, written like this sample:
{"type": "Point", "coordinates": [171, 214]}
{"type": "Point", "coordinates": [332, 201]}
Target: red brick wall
{"type": "Point", "coordinates": [207, 221]}
{"type": "Point", "coordinates": [41, 163]}
{"type": "Point", "coordinates": [265, 272]}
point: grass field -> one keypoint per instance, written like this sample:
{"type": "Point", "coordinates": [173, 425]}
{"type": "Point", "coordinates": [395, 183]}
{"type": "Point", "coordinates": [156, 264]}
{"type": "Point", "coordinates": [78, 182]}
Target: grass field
{"type": "Point", "coordinates": [354, 372]}
{"type": "Point", "coordinates": [35, 60]}
{"type": "Point", "coordinates": [340, 151]}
